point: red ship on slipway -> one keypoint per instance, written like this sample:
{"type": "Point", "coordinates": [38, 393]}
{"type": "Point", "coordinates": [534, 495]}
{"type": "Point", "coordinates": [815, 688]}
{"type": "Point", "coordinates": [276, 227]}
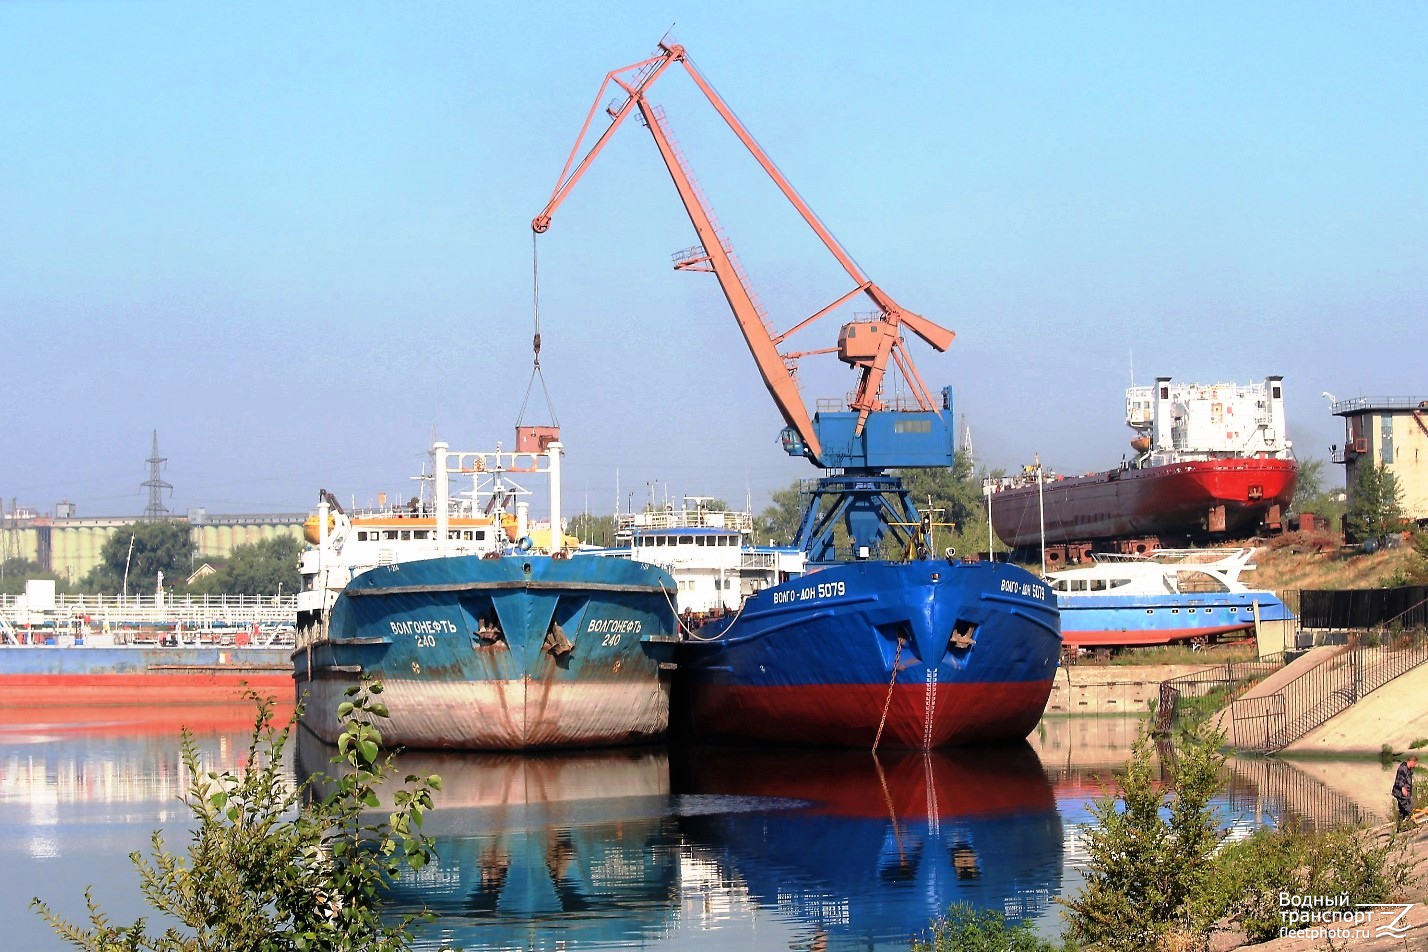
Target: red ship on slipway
{"type": "Point", "coordinates": [1212, 463]}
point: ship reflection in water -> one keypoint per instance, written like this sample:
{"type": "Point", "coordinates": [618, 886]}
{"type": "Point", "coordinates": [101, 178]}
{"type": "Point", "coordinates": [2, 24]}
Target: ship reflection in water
{"type": "Point", "coordinates": [843, 849]}
{"type": "Point", "coordinates": [538, 850]}
{"type": "Point", "coordinates": [715, 849]}
{"type": "Point", "coordinates": [867, 849]}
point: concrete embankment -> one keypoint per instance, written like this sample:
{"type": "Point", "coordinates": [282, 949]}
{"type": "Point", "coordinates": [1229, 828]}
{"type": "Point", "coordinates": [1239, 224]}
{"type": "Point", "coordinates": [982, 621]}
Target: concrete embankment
{"type": "Point", "coordinates": [1395, 715]}
{"type": "Point", "coordinates": [1112, 689]}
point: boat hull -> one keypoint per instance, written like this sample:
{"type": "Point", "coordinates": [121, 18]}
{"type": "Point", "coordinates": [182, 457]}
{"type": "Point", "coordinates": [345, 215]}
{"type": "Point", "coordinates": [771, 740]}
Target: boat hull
{"type": "Point", "coordinates": [1091, 621]}
{"type": "Point", "coordinates": [1198, 499]}
{"type": "Point", "coordinates": [916, 655]}
{"type": "Point", "coordinates": [425, 630]}
{"type": "Point", "coordinates": [33, 675]}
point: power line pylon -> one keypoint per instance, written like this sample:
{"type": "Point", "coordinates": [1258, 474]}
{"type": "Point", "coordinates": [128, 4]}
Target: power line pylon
{"type": "Point", "coordinates": [156, 486]}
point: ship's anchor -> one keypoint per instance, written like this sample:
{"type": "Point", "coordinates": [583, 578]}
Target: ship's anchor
{"type": "Point", "coordinates": [556, 642]}
{"type": "Point", "coordinates": [488, 633]}
{"type": "Point", "coordinates": [964, 635]}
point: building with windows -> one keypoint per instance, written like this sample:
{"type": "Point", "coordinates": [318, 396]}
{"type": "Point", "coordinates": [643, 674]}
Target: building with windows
{"type": "Point", "coordinates": [1393, 432]}
{"type": "Point", "coordinates": [69, 545]}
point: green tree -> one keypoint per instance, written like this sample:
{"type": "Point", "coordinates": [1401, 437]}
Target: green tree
{"type": "Point", "coordinates": [270, 869]}
{"type": "Point", "coordinates": [595, 530]}
{"type": "Point", "coordinates": [268, 567]}
{"type": "Point", "coordinates": [159, 545]}
{"type": "Point", "coordinates": [1309, 483]}
{"type": "Point", "coordinates": [1375, 504]}
{"type": "Point", "coordinates": [1310, 496]}
{"type": "Point", "coordinates": [952, 496]}
{"type": "Point", "coordinates": [1150, 853]}
{"type": "Point", "coordinates": [14, 573]}
{"type": "Point", "coordinates": [780, 520]}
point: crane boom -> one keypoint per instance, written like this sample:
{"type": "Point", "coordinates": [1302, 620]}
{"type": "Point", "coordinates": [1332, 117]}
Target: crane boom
{"type": "Point", "coordinates": [868, 346]}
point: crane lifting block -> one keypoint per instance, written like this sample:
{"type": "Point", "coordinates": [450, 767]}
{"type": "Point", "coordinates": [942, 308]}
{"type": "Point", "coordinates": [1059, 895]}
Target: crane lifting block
{"type": "Point", "coordinates": [536, 439]}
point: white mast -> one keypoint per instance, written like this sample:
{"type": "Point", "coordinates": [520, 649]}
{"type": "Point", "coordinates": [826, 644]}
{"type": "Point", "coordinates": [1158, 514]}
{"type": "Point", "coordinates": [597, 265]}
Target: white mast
{"type": "Point", "coordinates": [443, 513]}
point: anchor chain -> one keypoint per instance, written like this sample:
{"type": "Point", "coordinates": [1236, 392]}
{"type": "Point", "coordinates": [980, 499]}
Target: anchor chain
{"type": "Point", "coordinates": [888, 703]}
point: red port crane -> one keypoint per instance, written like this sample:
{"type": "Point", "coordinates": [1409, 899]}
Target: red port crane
{"type": "Point", "coordinates": [870, 346]}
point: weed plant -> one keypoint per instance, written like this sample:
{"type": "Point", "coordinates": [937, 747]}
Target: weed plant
{"type": "Point", "coordinates": [270, 870]}
{"type": "Point", "coordinates": [967, 929]}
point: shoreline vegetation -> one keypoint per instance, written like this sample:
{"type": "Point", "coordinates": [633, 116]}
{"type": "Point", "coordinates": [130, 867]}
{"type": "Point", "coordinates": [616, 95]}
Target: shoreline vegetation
{"type": "Point", "coordinates": [275, 866]}
{"type": "Point", "coordinates": [1161, 876]}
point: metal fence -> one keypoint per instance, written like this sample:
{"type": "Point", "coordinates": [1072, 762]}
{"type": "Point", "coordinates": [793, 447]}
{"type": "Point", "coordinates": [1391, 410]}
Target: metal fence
{"type": "Point", "coordinates": [1364, 609]}
{"type": "Point", "coordinates": [1211, 686]}
{"type": "Point", "coordinates": [1383, 632]}
{"type": "Point", "coordinates": [1273, 721]}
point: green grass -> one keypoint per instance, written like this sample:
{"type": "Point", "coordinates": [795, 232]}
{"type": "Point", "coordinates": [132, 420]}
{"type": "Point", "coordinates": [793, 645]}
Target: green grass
{"type": "Point", "coordinates": [1178, 654]}
{"type": "Point", "coordinates": [1194, 708]}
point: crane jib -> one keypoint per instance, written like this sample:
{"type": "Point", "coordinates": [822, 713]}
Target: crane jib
{"type": "Point", "coordinates": [874, 433]}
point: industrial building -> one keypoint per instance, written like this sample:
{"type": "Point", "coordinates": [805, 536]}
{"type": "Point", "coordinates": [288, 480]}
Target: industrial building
{"type": "Point", "coordinates": [1392, 431]}
{"type": "Point", "coordinates": [70, 546]}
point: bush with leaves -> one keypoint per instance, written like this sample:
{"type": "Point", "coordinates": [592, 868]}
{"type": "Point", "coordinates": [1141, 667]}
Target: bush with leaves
{"type": "Point", "coordinates": [1352, 862]}
{"type": "Point", "coordinates": [269, 869]}
{"type": "Point", "coordinates": [1150, 852]}
{"type": "Point", "coordinates": [965, 928]}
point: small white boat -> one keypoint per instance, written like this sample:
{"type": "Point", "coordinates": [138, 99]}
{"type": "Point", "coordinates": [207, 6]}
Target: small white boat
{"type": "Point", "coordinates": [1167, 596]}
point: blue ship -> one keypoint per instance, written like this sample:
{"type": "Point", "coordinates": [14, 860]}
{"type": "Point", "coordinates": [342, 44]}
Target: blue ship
{"type": "Point", "coordinates": [924, 652]}
{"type": "Point", "coordinates": [919, 654]}
{"type": "Point", "coordinates": [499, 641]}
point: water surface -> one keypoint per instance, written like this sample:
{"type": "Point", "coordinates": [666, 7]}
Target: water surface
{"type": "Point", "coordinates": [670, 849]}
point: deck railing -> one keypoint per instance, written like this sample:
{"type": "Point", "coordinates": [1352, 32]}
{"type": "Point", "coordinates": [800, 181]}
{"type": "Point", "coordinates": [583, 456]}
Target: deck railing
{"type": "Point", "coordinates": [194, 613]}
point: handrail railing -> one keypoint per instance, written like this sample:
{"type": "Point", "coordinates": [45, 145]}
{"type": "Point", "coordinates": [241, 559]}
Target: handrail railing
{"type": "Point", "coordinates": [1228, 677]}
{"type": "Point", "coordinates": [146, 617]}
{"type": "Point", "coordinates": [1274, 721]}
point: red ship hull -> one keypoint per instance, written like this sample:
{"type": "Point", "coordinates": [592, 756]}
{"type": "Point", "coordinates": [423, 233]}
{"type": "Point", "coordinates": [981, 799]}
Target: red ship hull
{"type": "Point", "coordinates": [1200, 499]}
{"type": "Point", "coordinates": [38, 690]}
{"type": "Point", "coordinates": [913, 716]}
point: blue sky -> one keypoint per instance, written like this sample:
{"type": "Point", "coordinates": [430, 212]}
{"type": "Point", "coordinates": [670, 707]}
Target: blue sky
{"type": "Point", "coordinates": [295, 239]}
